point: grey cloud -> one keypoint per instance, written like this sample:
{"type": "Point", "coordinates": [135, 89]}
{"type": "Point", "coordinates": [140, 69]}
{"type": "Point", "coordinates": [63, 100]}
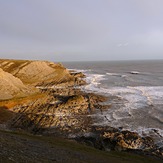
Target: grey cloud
{"type": "Point", "coordinates": [81, 30]}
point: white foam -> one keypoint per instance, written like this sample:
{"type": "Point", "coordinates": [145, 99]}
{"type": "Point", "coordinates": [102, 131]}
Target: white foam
{"type": "Point", "coordinates": [113, 74]}
{"type": "Point", "coordinates": [80, 70]}
{"type": "Point", "coordinates": [155, 133]}
{"type": "Point", "coordinates": [118, 115]}
{"type": "Point", "coordinates": [138, 108]}
{"type": "Point", "coordinates": [134, 72]}
{"type": "Point", "coordinates": [117, 75]}
{"type": "Point", "coordinates": [124, 76]}
{"type": "Point", "coordinates": [153, 94]}
{"type": "Point", "coordinates": [137, 97]}
{"type": "Point", "coordinates": [94, 80]}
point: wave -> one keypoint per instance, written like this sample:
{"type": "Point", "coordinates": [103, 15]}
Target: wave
{"type": "Point", "coordinates": [117, 75]}
{"type": "Point", "coordinates": [80, 70]}
{"type": "Point", "coordinates": [135, 95]}
{"type": "Point", "coordinates": [155, 133]}
{"type": "Point", "coordinates": [113, 74]}
{"type": "Point", "coordinates": [134, 72]}
{"type": "Point", "coordinates": [94, 81]}
{"type": "Point", "coordinates": [133, 107]}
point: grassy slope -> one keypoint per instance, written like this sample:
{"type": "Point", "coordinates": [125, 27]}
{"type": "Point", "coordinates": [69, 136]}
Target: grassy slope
{"type": "Point", "coordinates": [18, 147]}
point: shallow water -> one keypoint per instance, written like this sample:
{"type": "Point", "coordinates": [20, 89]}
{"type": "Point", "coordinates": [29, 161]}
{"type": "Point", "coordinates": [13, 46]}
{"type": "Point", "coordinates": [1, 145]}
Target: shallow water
{"type": "Point", "coordinates": [135, 91]}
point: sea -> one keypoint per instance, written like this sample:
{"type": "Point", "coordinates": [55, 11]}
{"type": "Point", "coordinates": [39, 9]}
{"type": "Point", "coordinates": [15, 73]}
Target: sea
{"type": "Point", "coordinates": [135, 94]}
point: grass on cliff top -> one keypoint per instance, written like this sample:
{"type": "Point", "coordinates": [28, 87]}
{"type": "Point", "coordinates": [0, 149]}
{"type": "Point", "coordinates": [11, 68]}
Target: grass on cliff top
{"type": "Point", "coordinates": [72, 148]}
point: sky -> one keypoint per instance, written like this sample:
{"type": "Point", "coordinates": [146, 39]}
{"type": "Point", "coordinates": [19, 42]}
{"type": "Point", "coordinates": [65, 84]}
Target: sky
{"type": "Point", "coordinates": [81, 30]}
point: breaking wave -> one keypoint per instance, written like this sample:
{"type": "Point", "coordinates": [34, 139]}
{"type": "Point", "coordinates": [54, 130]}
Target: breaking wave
{"type": "Point", "coordinates": [135, 108]}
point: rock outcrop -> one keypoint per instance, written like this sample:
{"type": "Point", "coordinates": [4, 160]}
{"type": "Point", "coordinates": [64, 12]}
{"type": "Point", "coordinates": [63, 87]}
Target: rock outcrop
{"type": "Point", "coordinates": [11, 86]}
{"type": "Point", "coordinates": [109, 138]}
{"type": "Point", "coordinates": [35, 72]}
{"type": "Point", "coordinates": [58, 114]}
{"type": "Point", "coordinates": [19, 77]}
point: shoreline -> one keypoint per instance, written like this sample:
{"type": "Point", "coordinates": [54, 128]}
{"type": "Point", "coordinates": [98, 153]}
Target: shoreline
{"type": "Point", "coordinates": [66, 110]}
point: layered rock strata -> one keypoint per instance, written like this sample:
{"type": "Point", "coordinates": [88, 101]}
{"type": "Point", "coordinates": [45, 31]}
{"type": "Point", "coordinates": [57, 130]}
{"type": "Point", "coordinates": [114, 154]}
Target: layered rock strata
{"type": "Point", "coordinates": [61, 113]}
{"type": "Point", "coordinates": [11, 86]}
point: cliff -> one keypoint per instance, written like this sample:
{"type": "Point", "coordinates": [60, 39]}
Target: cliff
{"type": "Point", "coordinates": [35, 72]}
{"type": "Point", "coordinates": [11, 86]}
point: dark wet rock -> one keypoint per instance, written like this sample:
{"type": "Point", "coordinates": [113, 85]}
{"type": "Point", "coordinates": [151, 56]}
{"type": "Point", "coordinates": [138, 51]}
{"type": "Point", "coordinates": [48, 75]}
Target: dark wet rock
{"type": "Point", "coordinates": [77, 74]}
{"type": "Point", "coordinates": [108, 138]}
{"type": "Point", "coordinates": [62, 112]}
{"type": "Point", "coordinates": [128, 140]}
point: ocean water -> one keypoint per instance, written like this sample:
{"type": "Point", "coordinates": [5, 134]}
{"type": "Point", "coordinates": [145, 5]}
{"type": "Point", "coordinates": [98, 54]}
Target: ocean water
{"type": "Point", "coordinates": [134, 90]}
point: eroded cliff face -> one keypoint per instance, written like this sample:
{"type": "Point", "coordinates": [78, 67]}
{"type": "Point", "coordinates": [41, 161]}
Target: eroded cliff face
{"type": "Point", "coordinates": [53, 104]}
{"type": "Point", "coordinates": [11, 86]}
{"type": "Point", "coordinates": [35, 72]}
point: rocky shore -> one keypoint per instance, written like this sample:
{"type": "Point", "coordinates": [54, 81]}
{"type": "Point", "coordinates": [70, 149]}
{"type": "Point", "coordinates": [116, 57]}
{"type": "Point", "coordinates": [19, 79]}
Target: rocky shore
{"type": "Point", "coordinates": [48, 101]}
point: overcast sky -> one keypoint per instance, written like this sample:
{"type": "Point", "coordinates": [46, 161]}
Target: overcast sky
{"type": "Point", "coordinates": [77, 30]}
